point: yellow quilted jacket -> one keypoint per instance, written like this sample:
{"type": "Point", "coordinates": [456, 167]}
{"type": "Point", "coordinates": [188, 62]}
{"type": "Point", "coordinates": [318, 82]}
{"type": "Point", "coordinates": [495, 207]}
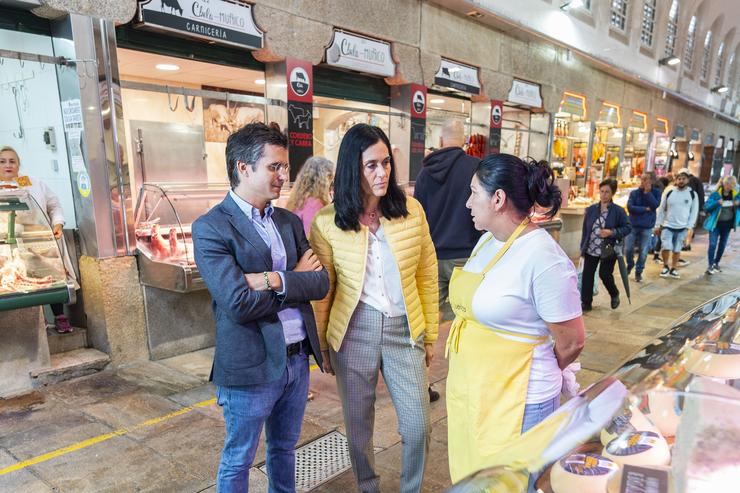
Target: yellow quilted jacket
{"type": "Point", "coordinates": [344, 254]}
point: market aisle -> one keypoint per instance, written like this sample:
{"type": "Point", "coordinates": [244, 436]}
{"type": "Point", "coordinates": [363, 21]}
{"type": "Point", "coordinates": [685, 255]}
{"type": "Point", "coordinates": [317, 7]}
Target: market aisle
{"type": "Point", "coordinates": [153, 426]}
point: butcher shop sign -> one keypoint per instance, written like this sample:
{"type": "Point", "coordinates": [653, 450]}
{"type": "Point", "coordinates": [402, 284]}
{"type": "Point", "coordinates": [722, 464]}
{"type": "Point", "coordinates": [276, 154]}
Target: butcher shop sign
{"type": "Point", "coordinates": [219, 21]}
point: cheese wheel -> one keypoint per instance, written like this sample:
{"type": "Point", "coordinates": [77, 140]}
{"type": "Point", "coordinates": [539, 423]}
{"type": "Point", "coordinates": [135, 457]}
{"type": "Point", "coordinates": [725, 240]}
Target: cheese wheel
{"type": "Point", "coordinates": [641, 448]}
{"type": "Point", "coordinates": [630, 420]}
{"type": "Point", "coordinates": [585, 473]}
{"type": "Point", "coordinates": [615, 480]}
{"type": "Point", "coordinates": [665, 411]}
{"type": "Point", "coordinates": [714, 359]}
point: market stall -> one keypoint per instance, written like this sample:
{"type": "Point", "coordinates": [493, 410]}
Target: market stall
{"type": "Point", "coordinates": [660, 151]}
{"type": "Point", "coordinates": [32, 274]}
{"type": "Point", "coordinates": [667, 420]}
{"type": "Point", "coordinates": [636, 146]}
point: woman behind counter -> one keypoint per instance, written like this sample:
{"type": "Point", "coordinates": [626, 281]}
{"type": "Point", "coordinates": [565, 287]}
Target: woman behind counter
{"type": "Point", "coordinates": [604, 223]}
{"type": "Point", "coordinates": [312, 190]}
{"type": "Point", "coordinates": [516, 294]}
{"type": "Point", "coordinates": [48, 201]}
{"type": "Point", "coordinates": [381, 313]}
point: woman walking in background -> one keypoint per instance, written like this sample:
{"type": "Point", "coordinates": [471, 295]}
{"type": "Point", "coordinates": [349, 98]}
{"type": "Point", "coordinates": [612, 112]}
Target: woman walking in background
{"type": "Point", "coordinates": [723, 209]}
{"type": "Point", "coordinates": [604, 224]}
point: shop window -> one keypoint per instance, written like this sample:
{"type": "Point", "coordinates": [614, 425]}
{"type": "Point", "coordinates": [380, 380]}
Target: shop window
{"type": "Point", "coordinates": [707, 57]}
{"type": "Point", "coordinates": [648, 23]}
{"type": "Point", "coordinates": [720, 64]}
{"type": "Point", "coordinates": [618, 17]}
{"type": "Point", "coordinates": [332, 117]}
{"type": "Point", "coordinates": [31, 117]}
{"type": "Point", "coordinates": [672, 29]}
{"type": "Point", "coordinates": [688, 56]}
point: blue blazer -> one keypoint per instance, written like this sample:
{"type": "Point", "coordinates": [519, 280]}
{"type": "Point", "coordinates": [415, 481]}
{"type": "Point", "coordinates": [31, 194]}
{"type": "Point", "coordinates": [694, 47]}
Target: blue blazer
{"type": "Point", "coordinates": [616, 219]}
{"type": "Point", "coordinates": [250, 347]}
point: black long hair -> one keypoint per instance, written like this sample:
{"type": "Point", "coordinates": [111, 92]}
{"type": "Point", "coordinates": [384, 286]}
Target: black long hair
{"type": "Point", "coordinates": [525, 182]}
{"type": "Point", "coordinates": [348, 202]}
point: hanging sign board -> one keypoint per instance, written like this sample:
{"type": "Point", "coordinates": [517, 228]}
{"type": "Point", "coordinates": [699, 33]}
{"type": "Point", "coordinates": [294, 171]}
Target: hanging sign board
{"type": "Point", "coordinates": [661, 125]}
{"type": "Point", "coordinates": [221, 21]}
{"type": "Point", "coordinates": [458, 76]}
{"type": "Point", "coordinates": [299, 74]}
{"type": "Point", "coordinates": [610, 114]}
{"type": "Point", "coordinates": [494, 133]}
{"type": "Point", "coordinates": [573, 104]}
{"type": "Point", "coordinates": [638, 121]}
{"type": "Point", "coordinates": [525, 93]}
{"type": "Point", "coordinates": [360, 53]}
{"type": "Point", "coordinates": [418, 127]}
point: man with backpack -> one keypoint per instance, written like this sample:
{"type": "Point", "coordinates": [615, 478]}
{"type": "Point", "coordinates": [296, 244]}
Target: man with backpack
{"type": "Point", "coordinates": [676, 215]}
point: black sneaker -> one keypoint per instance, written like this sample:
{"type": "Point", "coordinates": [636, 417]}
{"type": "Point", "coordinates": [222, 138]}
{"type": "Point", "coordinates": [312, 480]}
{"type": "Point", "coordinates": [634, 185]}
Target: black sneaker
{"type": "Point", "coordinates": [638, 277]}
{"type": "Point", "coordinates": [710, 271]}
{"type": "Point", "coordinates": [683, 263]}
{"type": "Point", "coordinates": [586, 307]}
{"type": "Point", "coordinates": [657, 260]}
{"type": "Point", "coordinates": [615, 302]}
{"type": "Point", "coordinates": [716, 268]}
{"type": "Point", "coordinates": [674, 274]}
{"type": "Point", "coordinates": [433, 395]}
{"type": "Point", "coordinates": [665, 271]}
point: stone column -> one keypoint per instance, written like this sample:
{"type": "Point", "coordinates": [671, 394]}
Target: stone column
{"type": "Point", "coordinates": [24, 348]}
{"type": "Point", "coordinates": [114, 305]}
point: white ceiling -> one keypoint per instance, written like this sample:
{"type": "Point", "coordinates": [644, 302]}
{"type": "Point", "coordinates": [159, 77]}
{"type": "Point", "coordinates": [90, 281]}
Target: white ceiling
{"type": "Point", "coordinates": [139, 65]}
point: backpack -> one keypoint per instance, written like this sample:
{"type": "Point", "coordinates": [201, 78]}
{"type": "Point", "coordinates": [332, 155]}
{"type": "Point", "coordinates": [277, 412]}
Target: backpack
{"type": "Point", "coordinates": [672, 189]}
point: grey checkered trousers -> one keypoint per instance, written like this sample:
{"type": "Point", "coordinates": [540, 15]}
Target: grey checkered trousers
{"type": "Point", "coordinates": [375, 343]}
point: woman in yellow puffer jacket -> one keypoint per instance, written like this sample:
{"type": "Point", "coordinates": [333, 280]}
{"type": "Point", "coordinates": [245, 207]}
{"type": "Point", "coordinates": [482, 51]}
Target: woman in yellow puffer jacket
{"type": "Point", "coordinates": [381, 313]}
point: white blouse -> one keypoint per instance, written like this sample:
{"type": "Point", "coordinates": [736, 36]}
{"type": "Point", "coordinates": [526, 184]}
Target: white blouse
{"type": "Point", "coordinates": [382, 287]}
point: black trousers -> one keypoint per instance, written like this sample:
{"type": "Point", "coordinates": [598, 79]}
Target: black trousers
{"type": "Point", "coordinates": [606, 274]}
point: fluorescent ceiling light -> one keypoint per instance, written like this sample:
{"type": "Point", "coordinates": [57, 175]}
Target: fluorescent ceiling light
{"type": "Point", "coordinates": [437, 101]}
{"type": "Point", "coordinates": [167, 67]}
{"type": "Point", "coordinates": [452, 70]}
{"type": "Point", "coordinates": [260, 82]}
{"type": "Point", "coordinates": [670, 60]}
{"type": "Point", "coordinates": [720, 89]}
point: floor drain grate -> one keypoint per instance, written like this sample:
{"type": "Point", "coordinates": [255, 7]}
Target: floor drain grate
{"type": "Point", "coordinates": [319, 461]}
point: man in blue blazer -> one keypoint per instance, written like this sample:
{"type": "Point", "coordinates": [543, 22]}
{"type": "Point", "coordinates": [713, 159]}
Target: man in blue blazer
{"type": "Point", "coordinates": [261, 273]}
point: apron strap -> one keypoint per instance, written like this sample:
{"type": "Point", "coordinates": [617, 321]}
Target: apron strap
{"type": "Point", "coordinates": [507, 245]}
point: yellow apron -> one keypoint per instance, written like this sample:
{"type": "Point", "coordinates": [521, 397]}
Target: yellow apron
{"type": "Point", "coordinates": [487, 379]}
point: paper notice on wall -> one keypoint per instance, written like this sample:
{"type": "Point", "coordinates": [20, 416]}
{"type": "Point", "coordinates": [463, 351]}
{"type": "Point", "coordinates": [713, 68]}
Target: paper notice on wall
{"type": "Point", "coordinates": [74, 144]}
{"type": "Point", "coordinates": [72, 114]}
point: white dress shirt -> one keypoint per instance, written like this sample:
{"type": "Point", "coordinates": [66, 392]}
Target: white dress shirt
{"type": "Point", "coordinates": [382, 287]}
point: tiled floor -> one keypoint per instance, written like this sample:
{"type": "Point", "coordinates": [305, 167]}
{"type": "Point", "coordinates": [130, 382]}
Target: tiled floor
{"type": "Point", "coordinates": [133, 429]}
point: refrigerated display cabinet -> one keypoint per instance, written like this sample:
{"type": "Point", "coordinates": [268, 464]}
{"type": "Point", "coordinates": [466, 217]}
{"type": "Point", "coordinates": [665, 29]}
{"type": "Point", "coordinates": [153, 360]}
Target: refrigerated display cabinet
{"type": "Point", "coordinates": [163, 217]}
{"type": "Point", "coordinates": [31, 267]}
{"type": "Point", "coordinates": [667, 420]}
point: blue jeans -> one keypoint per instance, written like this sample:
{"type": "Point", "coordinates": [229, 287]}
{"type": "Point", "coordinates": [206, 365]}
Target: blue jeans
{"type": "Point", "coordinates": [718, 241]}
{"type": "Point", "coordinates": [533, 415]}
{"type": "Point", "coordinates": [279, 407]}
{"type": "Point", "coordinates": [642, 238]}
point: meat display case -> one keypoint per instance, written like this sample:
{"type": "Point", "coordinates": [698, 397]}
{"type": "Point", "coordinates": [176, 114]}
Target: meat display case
{"type": "Point", "coordinates": [667, 420]}
{"type": "Point", "coordinates": [31, 267]}
{"type": "Point", "coordinates": [164, 214]}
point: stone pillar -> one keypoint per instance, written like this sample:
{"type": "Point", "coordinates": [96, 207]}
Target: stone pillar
{"type": "Point", "coordinates": [24, 347]}
{"type": "Point", "coordinates": [114, 306]}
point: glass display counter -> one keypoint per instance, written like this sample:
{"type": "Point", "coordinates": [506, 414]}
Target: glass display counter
{"type": "Point", "coordinates": [31, 267]}
{"type": "Point", "coordinates": [163, 217]}
{"type": "Point", "coordinates": [667, 420]}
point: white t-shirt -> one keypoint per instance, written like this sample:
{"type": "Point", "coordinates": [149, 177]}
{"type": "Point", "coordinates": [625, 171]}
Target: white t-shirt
{"type": "Point", "coordinates": [533, 283]}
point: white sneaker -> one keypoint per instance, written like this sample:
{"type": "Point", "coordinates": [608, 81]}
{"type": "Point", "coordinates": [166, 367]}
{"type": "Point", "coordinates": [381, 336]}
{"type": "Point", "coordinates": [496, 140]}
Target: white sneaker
{"type": "Point", "coordinates": [674, 274]}
{"type": "Point", "coordinates": [683, 263]}
{"type": "Point", "coordinates": [665, 271]}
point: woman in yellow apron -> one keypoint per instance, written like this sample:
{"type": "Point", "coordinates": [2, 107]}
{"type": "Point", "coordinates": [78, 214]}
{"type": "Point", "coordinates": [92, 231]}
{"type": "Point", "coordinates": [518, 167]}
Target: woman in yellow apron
{"type": "Point", "coordinates": [514, 297]}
